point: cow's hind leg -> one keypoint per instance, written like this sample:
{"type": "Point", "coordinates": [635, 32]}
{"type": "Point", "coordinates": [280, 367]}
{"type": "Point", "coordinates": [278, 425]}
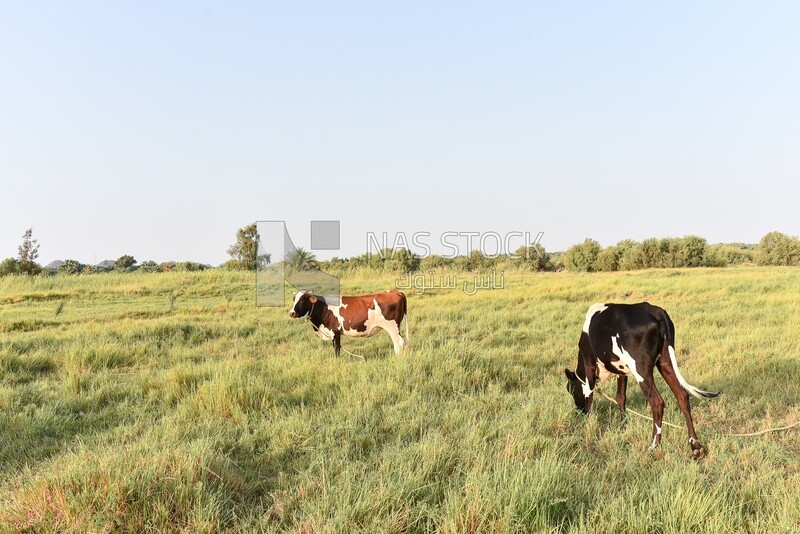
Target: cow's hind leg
{"type": "Point", "coordinates": [397, 340]}
{"type": "Point", "coordinates": [668, 372]}
{"type": "Point", "coordinates": [656, 403]}
{"type": "Point", "coordinates": [337, 342]}
{"type": "Point", "coordinates": [404, 337]}
{"type": "Point", "coordinates": [622, 386]}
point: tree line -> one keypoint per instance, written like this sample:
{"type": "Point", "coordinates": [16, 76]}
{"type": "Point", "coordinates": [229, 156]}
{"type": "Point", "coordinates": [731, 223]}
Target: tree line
{"type": "Point", "coordinates": [775, 248]}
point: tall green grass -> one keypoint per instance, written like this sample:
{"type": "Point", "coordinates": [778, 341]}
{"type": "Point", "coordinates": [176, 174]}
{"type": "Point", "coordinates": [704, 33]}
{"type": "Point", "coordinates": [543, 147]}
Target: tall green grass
{"type": "Point", "coordinates": [170, 402]}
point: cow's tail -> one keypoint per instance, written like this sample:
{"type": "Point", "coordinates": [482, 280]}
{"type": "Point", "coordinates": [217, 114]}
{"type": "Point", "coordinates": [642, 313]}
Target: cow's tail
{"type": "Point", "coordinates": [668, 355]}
{"type": "Point", "coordinates": [406, 339]}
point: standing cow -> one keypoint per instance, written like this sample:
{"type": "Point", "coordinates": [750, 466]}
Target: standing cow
{"type": "Point", "coordinates": [361, 316]}
{"type": "Point", "coordinates": [630, 340]}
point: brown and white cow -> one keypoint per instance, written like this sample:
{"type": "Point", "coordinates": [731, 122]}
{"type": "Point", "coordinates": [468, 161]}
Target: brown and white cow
{"type": "Point", "coordinates": [361, 316]}
{"type": "Point", "coordinates": [630, 340]}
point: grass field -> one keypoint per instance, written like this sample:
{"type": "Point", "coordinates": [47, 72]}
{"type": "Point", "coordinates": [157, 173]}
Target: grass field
{"type": "Point", "coordinates": [136, 402]}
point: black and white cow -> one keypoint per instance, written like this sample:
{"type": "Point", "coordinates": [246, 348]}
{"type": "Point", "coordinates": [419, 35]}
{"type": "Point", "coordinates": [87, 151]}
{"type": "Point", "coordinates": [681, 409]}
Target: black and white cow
{"type": "Point", "coordinates": [630, 340]}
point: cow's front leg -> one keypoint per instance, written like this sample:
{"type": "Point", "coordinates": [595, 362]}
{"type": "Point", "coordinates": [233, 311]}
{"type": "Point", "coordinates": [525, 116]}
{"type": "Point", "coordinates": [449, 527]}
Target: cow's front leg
{"type": "Point", "coordinates": [337, 342]}
{"type": "Point", "coordinates": [622, 387]}
{"type": "Point", "coordinates": [588, 388]}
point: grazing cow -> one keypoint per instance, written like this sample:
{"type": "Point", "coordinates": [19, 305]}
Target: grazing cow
{"type": "Point", "coordinates": [361, 316]}
{"type": "Point", "coordinates": [631, 339]}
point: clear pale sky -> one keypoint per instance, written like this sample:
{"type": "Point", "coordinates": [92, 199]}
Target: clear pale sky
{"type": "Point", "coordinates": [158, 129]}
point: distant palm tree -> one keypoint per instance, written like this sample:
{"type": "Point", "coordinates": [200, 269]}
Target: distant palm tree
{"type": "Point", "coordinates": [300, 260]}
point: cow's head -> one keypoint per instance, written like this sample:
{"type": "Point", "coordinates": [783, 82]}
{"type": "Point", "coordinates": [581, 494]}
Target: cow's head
{"type": "Point", "coordinates": [575, 388]}
{"type": "Point", "coordinates": [304, 304]}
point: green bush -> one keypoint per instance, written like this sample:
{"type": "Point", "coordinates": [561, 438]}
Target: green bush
{"type": "Point", "coordinates": [689, 251]}
{"type": "Point", "coordinates": [665, 253]}
{"type": "Point", "coordinates": [777, 248]}
{"type": "Point", "coordinates": [9, 266]}
{"type": "Point", "coordinates": [149, 266]}
{"type": "Point", "coordinates": [582, 257]}
{"type": "Point", "coordinates": [190, 266]}
{"type": "Point", "coordinates": [608, 259]}
{"type": "Point", "coordinates": [125, 263]}
{"type": "Point", "coordinates": [435, 262]}
{"type": "Point", "coordinates": [167, 266]}
{"type": "Point", "coordinates": [533, 257]}
{"type": "Point", "coordinates": [723, 255]}
{"type": "Point", "coordinates": [475, 261]}
{"type": "Point", "coordinates": [617, 257]}
{"type": "Point", "coordinates": [233, 265]}
{"type": "Point", "coordinates": [71, 267]}
{"type": "Point", "coordinates": [402, 260]}
{"type": "Point", "coordinates": [394, 260]}
{"type": "Point", "coordinates": [557, 261]}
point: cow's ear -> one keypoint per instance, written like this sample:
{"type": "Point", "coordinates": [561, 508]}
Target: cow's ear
{"type": "Point", "coordinates": [570, 374]}
{"type": "Point", "coordinates": [312, 299]}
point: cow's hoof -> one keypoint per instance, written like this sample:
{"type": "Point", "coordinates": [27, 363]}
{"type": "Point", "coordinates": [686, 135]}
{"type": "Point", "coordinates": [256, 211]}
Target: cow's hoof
{"type": "Point", "coordinates": [655, 452]}
{"type": "Point", "coordinates": [698, 451]}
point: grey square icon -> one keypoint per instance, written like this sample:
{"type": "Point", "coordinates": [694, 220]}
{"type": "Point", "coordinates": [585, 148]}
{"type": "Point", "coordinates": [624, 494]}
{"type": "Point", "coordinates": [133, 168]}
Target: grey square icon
{"type": "Point", "coordinates": [325, 235]}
